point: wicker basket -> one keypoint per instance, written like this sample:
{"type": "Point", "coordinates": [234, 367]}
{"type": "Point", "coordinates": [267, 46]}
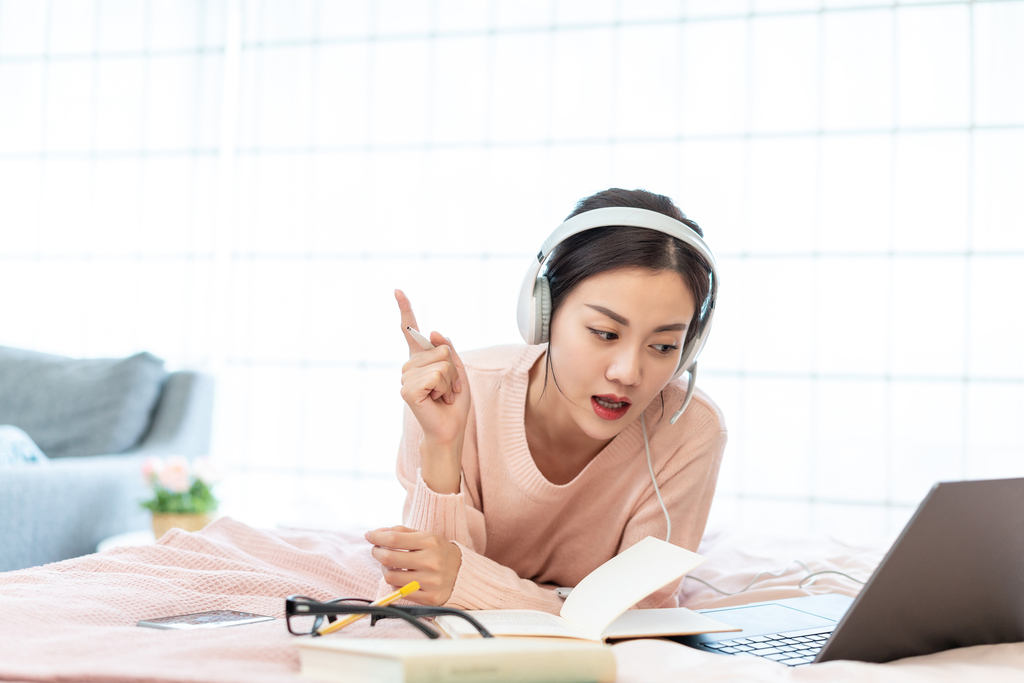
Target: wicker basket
{"type": "Point", "coordinates": [162, 521]}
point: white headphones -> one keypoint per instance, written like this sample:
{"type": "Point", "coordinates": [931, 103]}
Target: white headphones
{"type": "Point", "coordinates": [534, 312]}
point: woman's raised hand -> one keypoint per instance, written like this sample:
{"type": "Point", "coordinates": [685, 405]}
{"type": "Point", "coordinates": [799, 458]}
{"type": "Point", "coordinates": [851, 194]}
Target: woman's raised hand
{"type": "Point", "coordinates": [436, 389]}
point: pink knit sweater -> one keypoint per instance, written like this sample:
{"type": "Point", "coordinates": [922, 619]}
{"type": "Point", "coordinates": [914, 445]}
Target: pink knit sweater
{"type": "Point", "coordinates": [520, 535]}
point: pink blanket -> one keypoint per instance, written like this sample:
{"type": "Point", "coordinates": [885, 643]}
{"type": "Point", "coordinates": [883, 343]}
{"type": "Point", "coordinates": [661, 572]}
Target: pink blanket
{"type": "Point", "coordinates": [75, 620]}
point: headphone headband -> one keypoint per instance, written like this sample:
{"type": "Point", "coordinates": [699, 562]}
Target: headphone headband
{"type": "Point", "coordinates": [534, 310]}
{"type": "Point", "coordinates": [625, 216]}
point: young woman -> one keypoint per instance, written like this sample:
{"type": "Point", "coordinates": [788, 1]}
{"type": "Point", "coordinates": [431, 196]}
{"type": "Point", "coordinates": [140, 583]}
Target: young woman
{"type": "Point", "coordinates": [527, 466]}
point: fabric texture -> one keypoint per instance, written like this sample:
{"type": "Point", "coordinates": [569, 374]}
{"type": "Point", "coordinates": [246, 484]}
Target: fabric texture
{"type": "Point", "coordinates": [522, 536]}
{"type": "Point", "coordinates": [98, 495]}
{"type": "Point", "coordinates": [64, 509]}
{"type": "Point", "coordinates": [17, 448]}
{"type": "Point", "coordinates": [75, 620]}
{"type": "Point", "coordinates": [78, 407]}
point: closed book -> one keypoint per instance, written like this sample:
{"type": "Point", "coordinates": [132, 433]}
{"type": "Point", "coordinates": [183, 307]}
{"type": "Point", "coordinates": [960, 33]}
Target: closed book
{"type": "Point", "coordinates": [486, 660]}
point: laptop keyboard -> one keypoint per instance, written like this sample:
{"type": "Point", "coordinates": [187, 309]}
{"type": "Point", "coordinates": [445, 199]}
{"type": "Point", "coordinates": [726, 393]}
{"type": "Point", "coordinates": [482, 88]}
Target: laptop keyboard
{"type": "Point", "coordinates": [795, 648]}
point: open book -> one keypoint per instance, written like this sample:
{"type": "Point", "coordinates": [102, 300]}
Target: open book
{"type": "Point", "coordinates": [596, 609]}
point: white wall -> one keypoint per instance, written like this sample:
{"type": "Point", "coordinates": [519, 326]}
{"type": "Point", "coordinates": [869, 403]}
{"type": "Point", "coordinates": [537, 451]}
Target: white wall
{"type": "Point", "coordinates": [239, 186]}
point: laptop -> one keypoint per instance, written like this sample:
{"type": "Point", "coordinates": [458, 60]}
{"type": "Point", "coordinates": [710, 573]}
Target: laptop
{"type": "Point", "coordinates": [953, 578]}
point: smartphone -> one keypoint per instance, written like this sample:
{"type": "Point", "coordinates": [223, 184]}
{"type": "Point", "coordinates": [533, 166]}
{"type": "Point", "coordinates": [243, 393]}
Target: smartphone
{"type": "Point", "coordinates": [217, 618]}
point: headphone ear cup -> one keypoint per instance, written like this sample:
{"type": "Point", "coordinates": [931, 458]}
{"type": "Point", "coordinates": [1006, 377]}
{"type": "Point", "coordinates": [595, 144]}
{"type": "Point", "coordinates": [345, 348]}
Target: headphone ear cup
{"type": "Point", "coordinates": [542, 309]}
{"type": "Point", "coordinates": [686, 359]}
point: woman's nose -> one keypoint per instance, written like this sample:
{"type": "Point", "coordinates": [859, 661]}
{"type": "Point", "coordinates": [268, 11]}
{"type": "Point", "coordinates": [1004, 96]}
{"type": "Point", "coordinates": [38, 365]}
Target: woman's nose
{"type": "Point", "coordinates": [625, 368]}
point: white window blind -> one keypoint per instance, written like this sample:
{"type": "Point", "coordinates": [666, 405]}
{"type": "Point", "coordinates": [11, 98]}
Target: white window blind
{"type": "Point", "coordinates": [240, 185]}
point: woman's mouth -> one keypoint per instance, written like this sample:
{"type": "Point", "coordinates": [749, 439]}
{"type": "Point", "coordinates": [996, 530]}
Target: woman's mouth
{"type": "Point", "coordinates": [607, 408]}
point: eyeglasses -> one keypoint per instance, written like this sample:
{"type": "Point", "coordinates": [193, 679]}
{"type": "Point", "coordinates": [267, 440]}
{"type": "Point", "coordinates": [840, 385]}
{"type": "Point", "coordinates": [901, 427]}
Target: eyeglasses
{"type": "Point", "coordinates": [304, 615]}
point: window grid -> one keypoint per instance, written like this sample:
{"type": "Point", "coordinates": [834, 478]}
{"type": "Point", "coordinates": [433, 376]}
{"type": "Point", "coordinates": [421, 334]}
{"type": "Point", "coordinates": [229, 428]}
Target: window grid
{"type": "Point", "coordinates": [243, 254]}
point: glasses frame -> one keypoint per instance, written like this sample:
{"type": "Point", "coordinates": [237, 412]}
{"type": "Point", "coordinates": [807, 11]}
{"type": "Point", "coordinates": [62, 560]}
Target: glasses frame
{"type": "Point", "coordinates": [302, 605]}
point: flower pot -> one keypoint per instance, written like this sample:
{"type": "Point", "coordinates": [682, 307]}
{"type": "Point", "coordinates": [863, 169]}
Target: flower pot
{"type": "Point", "coordinates": [162, 521]}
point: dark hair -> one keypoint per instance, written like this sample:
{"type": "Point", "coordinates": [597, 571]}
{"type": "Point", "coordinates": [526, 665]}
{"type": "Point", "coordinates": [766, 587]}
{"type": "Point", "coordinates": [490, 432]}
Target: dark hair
{"type": "Point", "coordinates": [608, 248]}
{"type": "Point", "coordinates": [602, 249]}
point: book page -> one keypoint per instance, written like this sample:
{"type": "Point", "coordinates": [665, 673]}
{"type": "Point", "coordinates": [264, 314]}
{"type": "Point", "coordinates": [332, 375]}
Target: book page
{"type": "Point", "coordinates": [513, 622]}
{"type": "Point", "coordinates": [674, 621]}
{"type": "Point", "coordinates": [623, 581]}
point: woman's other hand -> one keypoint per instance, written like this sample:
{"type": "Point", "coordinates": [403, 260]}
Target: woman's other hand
{"type": "Point", "coordinates": [435, 387]}
{"type": "Point", "coordinates": [408, 555]}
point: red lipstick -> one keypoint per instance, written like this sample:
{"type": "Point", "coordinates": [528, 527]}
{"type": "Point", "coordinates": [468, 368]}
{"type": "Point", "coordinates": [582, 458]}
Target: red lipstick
{"type": "Point", "coordinates": [610, 406]}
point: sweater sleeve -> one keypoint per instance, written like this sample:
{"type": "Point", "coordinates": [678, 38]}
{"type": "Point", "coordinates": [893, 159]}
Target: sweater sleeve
{"type": "Point", "coordinates": [481, 583]}
{"type": "Point", "coordinates": [484, 584]}
{"type": "Point", "coordinates": [452, 516]}
{"type": "Point", "coordinates": [687, 493]}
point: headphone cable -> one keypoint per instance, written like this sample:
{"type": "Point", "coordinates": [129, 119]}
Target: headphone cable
{"type": "Point", "coordinates": [650, 467]}
{"type": "Point", "coordinates": [757, 577]}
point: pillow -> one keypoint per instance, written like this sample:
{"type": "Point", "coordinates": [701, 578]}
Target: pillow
{"type": "Point", "coordinates": [16, 448]}
{"type": "Point", "coordinates": [74, 407]}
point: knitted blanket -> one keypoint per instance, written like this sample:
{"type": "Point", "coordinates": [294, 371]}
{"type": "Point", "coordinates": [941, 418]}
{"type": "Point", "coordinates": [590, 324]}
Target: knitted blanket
{"type": "Point", "coordinates": [75, 620]}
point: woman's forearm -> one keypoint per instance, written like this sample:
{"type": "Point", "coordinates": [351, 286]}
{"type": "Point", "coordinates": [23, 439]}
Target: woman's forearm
{"type": "Point", "coordinates": [441, 465]}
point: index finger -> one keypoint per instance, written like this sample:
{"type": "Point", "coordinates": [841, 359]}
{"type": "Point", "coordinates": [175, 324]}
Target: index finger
{"type": "Point", "coordinates": [408, 320]}
{"type": "Point", "coordinates": [406, 539]}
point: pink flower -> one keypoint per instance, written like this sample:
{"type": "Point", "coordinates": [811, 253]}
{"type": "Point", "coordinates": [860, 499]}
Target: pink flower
{"type": "Point", "coordinates": [151, 467]}
{"type": "Point", "coordinates": [205, 471]}
{"type": "Point", "coordinates": [175, 475]}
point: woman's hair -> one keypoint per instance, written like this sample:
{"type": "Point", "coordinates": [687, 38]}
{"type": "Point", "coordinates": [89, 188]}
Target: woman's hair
{"type": "Point", "coordinates": [599, 250]}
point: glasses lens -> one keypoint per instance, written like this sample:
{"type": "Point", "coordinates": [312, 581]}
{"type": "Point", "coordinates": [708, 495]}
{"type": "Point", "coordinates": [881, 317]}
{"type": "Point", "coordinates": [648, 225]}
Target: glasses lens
{"type": "Point", "coordinates": [302, 623]}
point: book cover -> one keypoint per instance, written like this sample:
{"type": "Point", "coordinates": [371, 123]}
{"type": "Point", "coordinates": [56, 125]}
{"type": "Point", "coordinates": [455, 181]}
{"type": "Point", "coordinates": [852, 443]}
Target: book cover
{"type": "Point", "coordinates": [486, 660]}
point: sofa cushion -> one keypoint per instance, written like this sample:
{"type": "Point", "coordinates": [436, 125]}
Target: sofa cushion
{"type": "Point", "coordinates": [74, 407]}
{"type": "Point", "coordinates": [16, 448]}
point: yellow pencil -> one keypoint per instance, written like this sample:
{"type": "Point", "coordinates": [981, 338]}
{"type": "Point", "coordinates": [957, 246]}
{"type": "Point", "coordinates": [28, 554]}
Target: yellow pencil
{"type": "Point", "coordinates": [405, 590]}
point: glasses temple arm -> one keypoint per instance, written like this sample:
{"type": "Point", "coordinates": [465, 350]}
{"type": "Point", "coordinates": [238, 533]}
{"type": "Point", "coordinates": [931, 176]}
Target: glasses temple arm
{"type": "Point", "coordinates": [448, 611]}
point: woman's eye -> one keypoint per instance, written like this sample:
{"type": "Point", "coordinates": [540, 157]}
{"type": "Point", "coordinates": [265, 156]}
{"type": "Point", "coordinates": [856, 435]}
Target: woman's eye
{"type": "Point", "coordinates": [665, 348]}
{"type": "Point", "coordinates": [607, 336]}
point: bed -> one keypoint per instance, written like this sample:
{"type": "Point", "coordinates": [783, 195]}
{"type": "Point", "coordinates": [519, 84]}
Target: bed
{"type": "Point", "coordinates": [75, 620]}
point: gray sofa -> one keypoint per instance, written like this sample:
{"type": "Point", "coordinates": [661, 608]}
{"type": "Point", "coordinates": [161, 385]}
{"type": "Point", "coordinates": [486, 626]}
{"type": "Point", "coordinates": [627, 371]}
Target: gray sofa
{"type": "Point", "coordinates": [64, 507]}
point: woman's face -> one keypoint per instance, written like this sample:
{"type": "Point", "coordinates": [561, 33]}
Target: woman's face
{"type": "Point", "coordinates": [615, 343]}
